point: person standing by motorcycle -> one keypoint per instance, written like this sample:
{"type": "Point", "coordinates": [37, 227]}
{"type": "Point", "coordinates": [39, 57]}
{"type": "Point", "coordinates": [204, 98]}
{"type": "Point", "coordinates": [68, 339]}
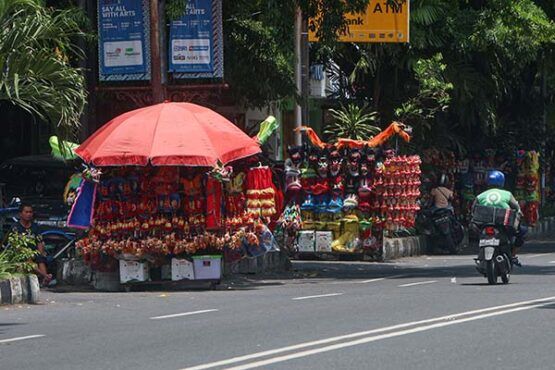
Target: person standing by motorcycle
{"type": "Point", "coordinates": [497, 197]}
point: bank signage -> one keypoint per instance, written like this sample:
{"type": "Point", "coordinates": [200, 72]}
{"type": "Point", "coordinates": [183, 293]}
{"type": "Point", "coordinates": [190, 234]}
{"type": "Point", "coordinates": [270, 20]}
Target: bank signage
{"type": "Point", "coordinates": [383, 21]}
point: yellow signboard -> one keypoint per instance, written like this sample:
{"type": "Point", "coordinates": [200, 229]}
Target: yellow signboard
{"type": "Point", "coordinates": [383, 21]}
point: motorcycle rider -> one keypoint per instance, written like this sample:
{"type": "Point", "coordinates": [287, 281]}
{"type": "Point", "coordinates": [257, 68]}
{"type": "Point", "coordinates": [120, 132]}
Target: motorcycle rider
{"type": "Point", "coordinates": [441, 196]}
{"type": "Point", "coordinates": [497, 197]}
{"type": "Point", "coordinates": [440, 200]}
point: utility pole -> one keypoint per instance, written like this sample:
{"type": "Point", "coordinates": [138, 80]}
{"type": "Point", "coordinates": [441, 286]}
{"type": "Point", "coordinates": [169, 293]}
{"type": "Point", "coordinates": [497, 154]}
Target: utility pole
{"type": "Point", "coordinates": [298, 73]}
{"type": "Point", "coordinates": [543, 151]}
{"type": "Point", "coordinates": [305, 71]}
{"type": "Point", "coordinates": [156, 69]}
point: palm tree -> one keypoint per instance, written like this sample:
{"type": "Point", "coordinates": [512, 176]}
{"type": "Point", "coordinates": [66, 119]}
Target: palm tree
{"type": "Point", "coordinates": [36, 46]}
{"type": "Point", "coordinates": [352, 122]}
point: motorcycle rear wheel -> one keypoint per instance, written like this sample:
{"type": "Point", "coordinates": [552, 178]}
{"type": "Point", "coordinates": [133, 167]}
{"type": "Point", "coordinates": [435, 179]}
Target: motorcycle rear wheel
{"type": "Point", "coordinates": [491, 272]}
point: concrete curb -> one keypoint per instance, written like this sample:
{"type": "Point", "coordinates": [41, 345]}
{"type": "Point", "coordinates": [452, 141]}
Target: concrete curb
{"type": "Point", "coordinates": [19, 290]}
{"type": "Point", "coordinates": [545, 226]}
{"type": "Point", "coordinates": [403, 247]}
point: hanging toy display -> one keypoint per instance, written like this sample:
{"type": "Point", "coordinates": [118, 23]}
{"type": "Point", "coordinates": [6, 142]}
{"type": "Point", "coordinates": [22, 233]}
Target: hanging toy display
{"type": "Point", "coordinates": [155, 212]}
{"type": "Point", "coordinates": [527, 186]}
{"type": "Point", "coordinates": [344, 198]}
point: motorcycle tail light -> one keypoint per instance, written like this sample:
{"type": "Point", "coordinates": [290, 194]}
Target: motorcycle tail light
{"type": "Point", "coordinates": [490, 231]}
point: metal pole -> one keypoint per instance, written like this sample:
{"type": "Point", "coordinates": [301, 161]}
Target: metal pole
{"type": "Point", "coordinates": [298, 74]}
{"type": "Point", "coordinates": [543, 159]}
{"type": "Point", "coordinates": [305, 65]}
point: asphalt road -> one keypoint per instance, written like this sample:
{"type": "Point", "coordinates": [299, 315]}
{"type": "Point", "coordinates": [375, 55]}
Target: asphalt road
{"type": "Point", "coordinates": [426, 312]}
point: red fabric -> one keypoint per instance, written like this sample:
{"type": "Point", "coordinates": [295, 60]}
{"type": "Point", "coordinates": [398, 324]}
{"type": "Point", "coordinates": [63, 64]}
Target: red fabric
{"type": "Point", "coordinates": [213, 203]}
{"type": "Point", "coordinates": [181, 134]}
{"type": "Point", "coordinates": [259, 178]}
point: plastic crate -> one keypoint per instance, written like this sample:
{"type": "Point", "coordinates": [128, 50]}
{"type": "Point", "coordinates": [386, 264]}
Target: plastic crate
{"type": "Point", "coordinates": [207, 267]}
{"type": "Point", "coordinates": [484, 215]}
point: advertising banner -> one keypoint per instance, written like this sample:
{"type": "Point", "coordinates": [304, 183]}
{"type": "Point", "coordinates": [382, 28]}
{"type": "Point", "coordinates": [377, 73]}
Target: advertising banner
{"type": "Point", "coordinates": [123, 46]}
{"type": "Point", "coordinates": [383, 21]}
{"type": "Point", "coordinates": [196, 48]}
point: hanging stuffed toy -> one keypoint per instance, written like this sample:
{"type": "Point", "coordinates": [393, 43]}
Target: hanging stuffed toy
{"type": "Point", "coordinates": [352, 175]}
{"type": "Point", "coordinates": [321, 186]}
{"type": "Point", "coordinates": [336, 182]}
{"type": "Point", "coordinates": [364, 189]}
{"type": "Point", "coordinates": [292, 165]}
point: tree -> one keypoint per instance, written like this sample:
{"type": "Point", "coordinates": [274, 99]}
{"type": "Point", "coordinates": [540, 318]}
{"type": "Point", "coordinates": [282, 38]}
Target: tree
{"type": "Point", "coordinates": [37, 45]}
{"type": "Point", "coordinates": [353, 122]}
{"type": "Point", "coordinates": [259, 42]}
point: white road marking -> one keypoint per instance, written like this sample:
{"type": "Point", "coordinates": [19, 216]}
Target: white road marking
{"type": "Point", "coordinates": [316, 296]}
{"type": "Point", "coordinates": [380, 279]}
{"type": "Point", "coordinates": [419, 283]}
{"type": "Point", "coordinates": [181, 314]}
{"type": "Point", "coordinates": [536, 255]}
{"type": "Point", "coordinates": [21, 338]}
{"type": "Point", "coordinates": [448, 318]}
{"type": "Point", "coordinates": [552, 262]}
{"type": "Point", "coordinates": [379, 337]}
{"type": "Point", "coordinates": [369, 281]}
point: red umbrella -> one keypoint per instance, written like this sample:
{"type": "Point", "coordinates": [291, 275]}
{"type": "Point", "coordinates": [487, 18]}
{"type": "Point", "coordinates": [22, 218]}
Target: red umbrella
{"type": "Point", "coordinates": [167, 134]}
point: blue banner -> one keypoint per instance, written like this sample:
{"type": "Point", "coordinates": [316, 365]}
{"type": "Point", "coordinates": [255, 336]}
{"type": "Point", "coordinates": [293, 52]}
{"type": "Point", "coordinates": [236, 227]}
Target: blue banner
{"type": "Point", "coordinates": [121, 31]}
{"type": "Point", "coordinates": [192, 39]}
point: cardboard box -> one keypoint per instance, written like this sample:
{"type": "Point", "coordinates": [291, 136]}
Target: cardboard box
{"type": "Point", "coordinates": [133, 271]}
{"type": "Point", "coordinates": [207, 267]}
{"type": "Point", "coordinates": [182, 269]}
{"type": "Point", "coordinates": [323, 241]}
{"type": "Point", "coordinates": [306, 241]}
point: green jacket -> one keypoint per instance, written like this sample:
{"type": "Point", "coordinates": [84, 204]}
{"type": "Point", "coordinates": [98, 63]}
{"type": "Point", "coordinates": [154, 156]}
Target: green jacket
{"type": "Point", "coordinates": [498, 198]}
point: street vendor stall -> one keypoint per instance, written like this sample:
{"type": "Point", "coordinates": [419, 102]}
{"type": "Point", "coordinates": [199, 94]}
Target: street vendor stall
{"type": "Point", "coordinates": [343, 198]}
{"type": "Point", "coordinates": [467, 177]}
{"type": "Point", "coordinates": [180, 183]}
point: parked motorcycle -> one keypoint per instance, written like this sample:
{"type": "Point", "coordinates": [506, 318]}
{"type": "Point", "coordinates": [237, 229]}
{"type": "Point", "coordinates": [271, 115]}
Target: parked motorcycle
{"type": "Point", "coordinates": [443, 229]}
{"type": "Point", "coordinates": [496, 241]}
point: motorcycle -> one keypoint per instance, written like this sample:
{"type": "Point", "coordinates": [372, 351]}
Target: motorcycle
{"type": "Point", "coordinates": [443, 229]}
{"type": "Point", "coordinates": [495, 242]}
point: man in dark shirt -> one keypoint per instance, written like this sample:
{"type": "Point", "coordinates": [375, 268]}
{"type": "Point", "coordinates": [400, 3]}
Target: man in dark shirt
{"type": "Point", "coordinates": [28, 227]}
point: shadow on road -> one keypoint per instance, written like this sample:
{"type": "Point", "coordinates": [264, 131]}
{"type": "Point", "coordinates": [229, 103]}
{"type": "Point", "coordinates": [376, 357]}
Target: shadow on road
{"type": "Point", "coordinates": [316, 271]}
{"type": "Point", "coordinates": [7, 325]}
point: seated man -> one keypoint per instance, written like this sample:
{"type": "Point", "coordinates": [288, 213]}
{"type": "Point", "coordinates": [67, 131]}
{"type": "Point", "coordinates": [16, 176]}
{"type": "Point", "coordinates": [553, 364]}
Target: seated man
{"type": "Point", "coordinates": [495, 196]}
{"type": "Point", "coordinates": [27, 226]}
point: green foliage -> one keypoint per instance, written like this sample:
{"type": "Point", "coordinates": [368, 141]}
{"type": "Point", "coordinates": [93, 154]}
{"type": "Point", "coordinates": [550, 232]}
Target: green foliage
{"type": "Point", "coordinates": [487, 83]}
{"type": "Point", "coordinates": [37, 47]}
{"type": "Point", "coordinates": [18, 256]}
{"type": "Point", "coordinates": [257, 69]}
{"type": "Point", "coordinates": [352, 122]}
{"type": "Point", "coordinates": [433, 95]}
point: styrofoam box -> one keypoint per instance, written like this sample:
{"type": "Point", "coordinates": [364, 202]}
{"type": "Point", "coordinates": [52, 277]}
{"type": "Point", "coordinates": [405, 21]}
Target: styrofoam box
{"type": "Point", "coordinates": [323, 241]}
{"type": "Point", "coordinates": [182, 269]}
{"type": "Point", "coordinates": [305, 241]}
{"type": "Point", "coordinates": [207, 267]}
{"type": "Point", "coordinates": [133, 271]}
